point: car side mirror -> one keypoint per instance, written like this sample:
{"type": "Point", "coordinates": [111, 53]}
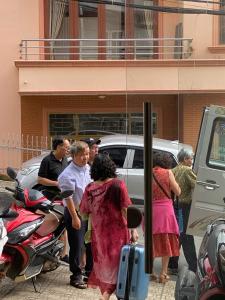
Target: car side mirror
{"type": "Point", "coordinates": [134, 217]}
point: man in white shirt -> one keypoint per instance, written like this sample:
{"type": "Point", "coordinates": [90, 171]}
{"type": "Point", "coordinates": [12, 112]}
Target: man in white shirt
{"type": "Point", "coordinates": [75, 177]}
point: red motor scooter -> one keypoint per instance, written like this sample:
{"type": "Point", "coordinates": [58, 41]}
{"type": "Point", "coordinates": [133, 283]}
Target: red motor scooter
{"type": "Point", "coordinates": [33, 236]}
{"type": "Point", "coordinates": [209, 281]}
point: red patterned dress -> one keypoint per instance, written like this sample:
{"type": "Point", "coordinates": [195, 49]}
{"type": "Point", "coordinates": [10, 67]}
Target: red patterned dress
{"type": "Point", "coordinates": [165, 227]}
{"type": "Point", "coordinates": [109, 230]}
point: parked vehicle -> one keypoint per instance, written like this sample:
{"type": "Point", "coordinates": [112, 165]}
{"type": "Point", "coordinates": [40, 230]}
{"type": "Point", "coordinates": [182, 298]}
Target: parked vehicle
{"type": "Point", "coordinates": [209, 281]}
{"type": "Point", "coordinates": [207, 212]}
{"type": "Point", "coordinates": [5, 213]}
{"type": "Point", "coordinates": [127, 151]}
{"type": "Point", "coordinates": [209, 165]}
{"type": "Point", "coordinates": [33, 236]}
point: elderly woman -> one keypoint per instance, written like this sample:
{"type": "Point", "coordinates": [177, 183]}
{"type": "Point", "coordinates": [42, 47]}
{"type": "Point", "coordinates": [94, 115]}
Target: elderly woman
{"type": "Point", "coordinates": [165, 227]}
{"type": "Point", "coordinates": [106, 200]}
{"type": "Point", "coordinates": [186, 179]}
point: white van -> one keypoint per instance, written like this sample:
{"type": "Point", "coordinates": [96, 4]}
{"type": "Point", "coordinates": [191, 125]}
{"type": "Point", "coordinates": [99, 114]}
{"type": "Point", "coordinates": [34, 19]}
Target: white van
{"type": "Point", "coordinates": [208, 201]}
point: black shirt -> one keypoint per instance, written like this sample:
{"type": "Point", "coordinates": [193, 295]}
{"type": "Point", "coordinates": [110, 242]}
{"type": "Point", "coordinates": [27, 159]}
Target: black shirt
{"type": "Point", "coordinates": [51, 168]}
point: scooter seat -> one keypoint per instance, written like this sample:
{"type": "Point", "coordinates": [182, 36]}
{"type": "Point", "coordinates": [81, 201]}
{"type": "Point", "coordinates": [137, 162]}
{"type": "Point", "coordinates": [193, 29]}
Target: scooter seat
{"type": "Point", "coordinates": [59, 209]}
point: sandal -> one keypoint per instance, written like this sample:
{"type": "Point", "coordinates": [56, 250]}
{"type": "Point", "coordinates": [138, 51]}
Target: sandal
{"type": "Point", "coordinates": [78, 284]}
{"type": "Point", "coordinates": [163, 278]}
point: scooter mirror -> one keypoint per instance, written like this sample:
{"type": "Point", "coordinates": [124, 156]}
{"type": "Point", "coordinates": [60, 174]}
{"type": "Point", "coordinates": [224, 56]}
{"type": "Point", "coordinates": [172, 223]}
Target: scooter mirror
{"type": "Point", "coordinates": [11, 173]}
{"type": "Point", "coordinates": [6, 201]}
{"type": "Point", "coordinates": [134, 217]}
{"type": "Point", "coordinates": [66, 194]}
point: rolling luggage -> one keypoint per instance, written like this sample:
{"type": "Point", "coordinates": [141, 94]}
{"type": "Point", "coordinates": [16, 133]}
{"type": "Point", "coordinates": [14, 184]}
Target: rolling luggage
{"type": "Point", "coordinates": [132, 282]}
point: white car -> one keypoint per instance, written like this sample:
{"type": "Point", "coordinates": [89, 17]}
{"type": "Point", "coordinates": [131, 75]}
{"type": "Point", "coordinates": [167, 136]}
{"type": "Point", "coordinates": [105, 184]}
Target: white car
{"type": "Point", "coordinates": [127, 151]}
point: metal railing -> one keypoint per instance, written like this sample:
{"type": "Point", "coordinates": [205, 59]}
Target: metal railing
{"type": "Point", "coordinates": [105, 49]}
{"type": "Point", "coordinates": [15, 149]}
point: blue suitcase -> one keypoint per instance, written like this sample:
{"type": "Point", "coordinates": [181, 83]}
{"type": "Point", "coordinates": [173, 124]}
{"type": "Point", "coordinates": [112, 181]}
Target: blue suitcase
{"type": "Point", "coordinates": [132, 282]}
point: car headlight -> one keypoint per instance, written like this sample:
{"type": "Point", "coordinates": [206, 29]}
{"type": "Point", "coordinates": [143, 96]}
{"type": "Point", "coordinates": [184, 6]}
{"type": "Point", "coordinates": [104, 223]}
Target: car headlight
{"type": "Point", "coordinates": [22, 232]}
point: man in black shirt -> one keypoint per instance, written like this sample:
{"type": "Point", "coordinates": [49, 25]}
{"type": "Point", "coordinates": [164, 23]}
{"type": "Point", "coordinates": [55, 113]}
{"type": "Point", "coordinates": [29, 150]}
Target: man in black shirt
{"type": "Point", "coordinates": [52, 166]}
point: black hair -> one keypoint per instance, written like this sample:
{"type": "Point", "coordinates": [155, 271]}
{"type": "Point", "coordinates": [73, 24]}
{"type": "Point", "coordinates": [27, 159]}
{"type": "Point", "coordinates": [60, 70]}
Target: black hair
{"type": "Point", "coordinates": [103, 167]}
{"type": "Point", "coordinates": [56, 141]}
{"type": "Point", "coordinates": [162, 159]}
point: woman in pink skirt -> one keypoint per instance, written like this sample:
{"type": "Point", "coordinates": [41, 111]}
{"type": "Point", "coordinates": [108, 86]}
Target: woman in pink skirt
{"type": "Point", "coordinates": [165, 227]}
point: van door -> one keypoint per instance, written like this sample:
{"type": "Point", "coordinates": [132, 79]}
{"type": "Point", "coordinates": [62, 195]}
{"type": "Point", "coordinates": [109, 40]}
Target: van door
{"type": "Point", "coordinates": [208, 201]}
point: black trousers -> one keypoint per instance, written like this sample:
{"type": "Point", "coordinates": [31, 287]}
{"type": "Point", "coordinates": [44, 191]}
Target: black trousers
{"type": "Point", "coordinates": [89, 258]}
{"type": "Point", "coordinates": [76, 241]}
{"type": "Point", "coordinates": [187, 243]}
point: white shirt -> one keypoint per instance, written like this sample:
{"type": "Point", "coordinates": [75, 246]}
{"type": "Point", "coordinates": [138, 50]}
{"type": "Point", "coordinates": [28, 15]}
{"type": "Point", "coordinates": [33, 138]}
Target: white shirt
{"type": "Point", "coordinates": [75, 178]}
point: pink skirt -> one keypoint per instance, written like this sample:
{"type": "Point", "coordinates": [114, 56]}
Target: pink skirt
{"type": "Point", "coordinates": [165, 244]}
{"type": "Point", "coordinates": [163, 217]}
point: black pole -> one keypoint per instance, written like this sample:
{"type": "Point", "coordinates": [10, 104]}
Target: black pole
{"type": "Point", "coordinates": [148, 185]}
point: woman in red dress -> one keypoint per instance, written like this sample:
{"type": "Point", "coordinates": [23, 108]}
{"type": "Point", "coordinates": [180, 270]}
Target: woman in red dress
{"type": "Point", "coordinates": [105, 200]}
{"type": "Point", "coordinates": [165, 227]}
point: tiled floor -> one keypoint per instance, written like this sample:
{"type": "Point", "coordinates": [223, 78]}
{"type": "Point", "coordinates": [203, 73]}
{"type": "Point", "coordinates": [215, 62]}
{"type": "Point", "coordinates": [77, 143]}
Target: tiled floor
{"type": "Point", "coordinates": [54, 285]}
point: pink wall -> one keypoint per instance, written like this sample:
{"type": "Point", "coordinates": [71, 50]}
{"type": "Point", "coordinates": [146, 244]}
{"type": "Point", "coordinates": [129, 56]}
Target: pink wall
{"type": "Point", "coordinates": [19, 19]}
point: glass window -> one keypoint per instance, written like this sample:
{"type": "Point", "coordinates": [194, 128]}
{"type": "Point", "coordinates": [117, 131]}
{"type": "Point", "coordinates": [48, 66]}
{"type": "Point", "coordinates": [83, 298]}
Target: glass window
{"type": "Point", "coordinates": [88, 20]}
{"type": "Point", "coordinates": [136, 123]}
{"type": "Point", "coordinates": [117, 154]}
{"type": "Point", "coordinates": [216, 156]}
{"type": "Point", "coordinates": [115, 26]}
{"type": "Point", "coordinates": [138, 162]}
{"type": "Point", "coordinates": [61, 124]}
{"type": "Point", "coordinates": [88, 10]}
{"type": "Point", "coordinates": [98, 124]}
{"type": "Point", "coordinates": [143, 30]}
{"type": "Point", "coordinates": [59, 29]}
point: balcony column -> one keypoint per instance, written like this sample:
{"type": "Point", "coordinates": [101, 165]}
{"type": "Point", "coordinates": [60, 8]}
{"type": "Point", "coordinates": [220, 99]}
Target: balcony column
{"type": "Point", "coordinates": [46, 29]}
{"type": "Point", "coordinates": [74, 29]}
{"type": "Point", "coordinates": [101, 31]}
{"type": "Point", "coordinates": [129, 30]}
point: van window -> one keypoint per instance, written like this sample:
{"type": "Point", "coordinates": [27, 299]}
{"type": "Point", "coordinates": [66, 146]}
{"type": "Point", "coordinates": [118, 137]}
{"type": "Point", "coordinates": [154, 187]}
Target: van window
{"type": "Point", "coordinates": [216, 154]}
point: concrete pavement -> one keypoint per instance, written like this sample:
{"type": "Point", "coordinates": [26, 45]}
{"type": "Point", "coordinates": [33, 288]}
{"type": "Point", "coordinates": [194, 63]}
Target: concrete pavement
{"type": "Point", "coordinates": [54, 285]}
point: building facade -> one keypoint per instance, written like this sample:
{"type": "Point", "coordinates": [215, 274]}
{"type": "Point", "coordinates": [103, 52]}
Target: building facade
{"type": "Point", "coordinates": [81, 68]}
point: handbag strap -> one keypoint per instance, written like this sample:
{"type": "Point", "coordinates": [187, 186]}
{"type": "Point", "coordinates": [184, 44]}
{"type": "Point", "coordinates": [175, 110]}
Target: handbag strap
{"type": "Point", "coordinates": [161, 187]}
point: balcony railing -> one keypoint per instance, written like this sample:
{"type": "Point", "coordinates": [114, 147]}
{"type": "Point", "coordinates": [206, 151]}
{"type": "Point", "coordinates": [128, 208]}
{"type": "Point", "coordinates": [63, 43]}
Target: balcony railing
{"type": "Point", "coordinates": [105, 49]}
